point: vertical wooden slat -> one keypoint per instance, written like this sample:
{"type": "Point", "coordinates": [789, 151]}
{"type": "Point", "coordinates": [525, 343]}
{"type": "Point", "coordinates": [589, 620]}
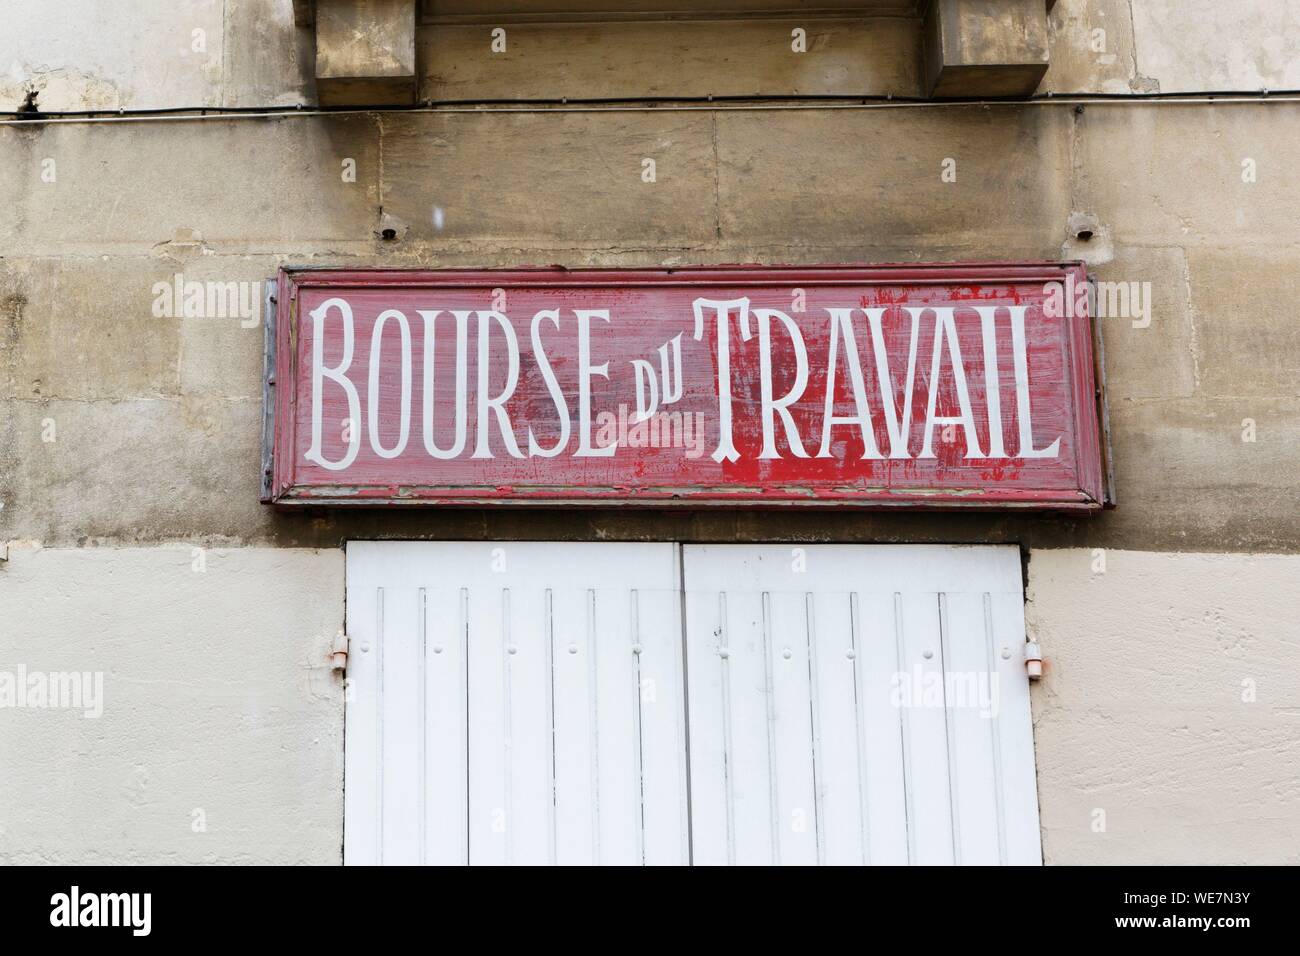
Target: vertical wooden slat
{"type": "Point", "coordinates": [399, 643]}
{"type": "Point", "coordinates": [489, 818]}
{"type": "Point", "coordinates": [814, 708]}
{"type": "Point", "coordinates": [1015, 732]}
{"type": "Point", "coordinates": [361, 695]}
{"type": "Point", "coordinates": [749, 745]}
{"type": "Point", "coordinates": [773, 762]}
{"type": "Point", "coordinates": [921, 697]}
{"type": "Point", "coordinates": [638, 737]}
{"type": "Point", "coordinates": [445, 806]}
{"type": "Point", "coordinates": [706, 643]}
{"type": "Point", "coordinates": [839, 755]}
{"type": "Point", "coordinates": [661, 713]}
{"type": "Point", "coordinates": [950, 733]}
{"type": "Point", "coordinates": [530, 752]}
{"type": "Point", "coordinates": [682, 714]}
{"type": "Point", "coordinates": [902, 673]}
{"type": "Point", "coordinates": [794, 772]}
{"type": "Point", "coordinates": [880, 726]}
{"type": "Point", "coordinates": [995, 735]}
{"type": "Point", "coordinates": [593, 723]}
{"type": "Point", "coordinates": [972, 706]}
{"type": "Point", "coordinates": [462, 634]}
{"type": "Point", "coordinates": [380, 633]}
{"type": "Point", "coordinates": [552, 851]}
{"type": "Point", "coordinates": [619, 809]}
{"type": "Point", "coordinates": [863, 766]}
{"type": "Point", "coordinates": [508, 725]}
{"type": "Point", "coordinates": [422, 746]}
{"type": "Point", "coordinates": [728, 747]}
{"type": "Point", "coordinates": [574, 809]}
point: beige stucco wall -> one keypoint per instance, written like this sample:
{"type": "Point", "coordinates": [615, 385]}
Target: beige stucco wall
{"type": "Point", "coordinates": [221, 735]}
{"type": "Point", "coordinates": [1206, 44]}
{"type": "Point", "coordinates": [87, 55]}
{"type": "Point", "coordinates": [127, 439]}
{"type": "Point", "coordinates": [1166, 727]}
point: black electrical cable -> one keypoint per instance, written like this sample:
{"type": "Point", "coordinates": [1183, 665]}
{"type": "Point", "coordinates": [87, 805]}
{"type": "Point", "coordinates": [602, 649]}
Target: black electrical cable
{"type": "Point", "coordinates": [36, 114]}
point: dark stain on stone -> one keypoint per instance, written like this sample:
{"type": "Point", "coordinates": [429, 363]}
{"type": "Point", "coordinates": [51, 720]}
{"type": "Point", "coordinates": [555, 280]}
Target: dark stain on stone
{"type": "Point", "coordinates": [28, 110]}
{"type": "Point", "coordinates": [11, 320]}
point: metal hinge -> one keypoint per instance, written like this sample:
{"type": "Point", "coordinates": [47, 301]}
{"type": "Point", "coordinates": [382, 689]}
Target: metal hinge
{"type": "Point", "coordinates": [339, 653]}
{"type": "Point", "coordinates": [1033, 660]}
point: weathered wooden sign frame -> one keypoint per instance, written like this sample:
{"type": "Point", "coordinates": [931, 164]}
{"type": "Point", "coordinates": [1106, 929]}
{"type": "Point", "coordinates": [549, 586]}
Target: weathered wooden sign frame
{"type": "Point", "coordinates": [749, 386]}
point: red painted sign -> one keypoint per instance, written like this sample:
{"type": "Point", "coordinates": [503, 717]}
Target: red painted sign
{"type": "Point", "coordinates": [901, 385]}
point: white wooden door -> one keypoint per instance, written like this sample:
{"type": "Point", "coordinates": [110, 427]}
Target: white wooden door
{"type": "Point", "coordinates": [859, 704]}
{"type": "Point", "coordinates": [528, 703]}
{"type": "Point", "coordinates": [515, 703]}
